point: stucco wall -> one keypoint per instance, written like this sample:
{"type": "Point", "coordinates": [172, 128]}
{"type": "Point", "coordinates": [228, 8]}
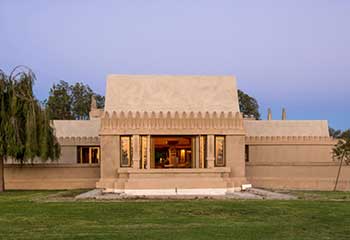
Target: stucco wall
{"type": "Point", "coordinates": [279, 165]}
{"type": "Point", "coordinates": [171, 93]}
{"type": "Point", "coordinates": [307, 176]}
{"type": "Point", "coordinates": [279, 128]}
{"type": "Point", "coordinates": [51, 176]}
{"type": "Point", "coordinates": [294, 163]}
{"type": "Point", "coordinates": [290, 153]}
{"type": "Point", "coordinates": [68, 155]}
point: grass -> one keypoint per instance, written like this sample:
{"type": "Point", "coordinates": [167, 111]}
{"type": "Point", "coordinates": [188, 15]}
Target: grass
{"type": "Point", "coordinates": [55, 215]}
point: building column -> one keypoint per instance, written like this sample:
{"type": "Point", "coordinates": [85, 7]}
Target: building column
{"type": "Point", "coordinates": [136, 151]}
{"type": "Point", "coordinates": [235, 148]}
{"type": "Point", "coordinates": [110, 161]}
{"type": "Point", "coordinates": [152, 153]}
{"type": "Point", "coordinates": [196, 151]}
{"type": "Point", "coordinates": [210, 151]}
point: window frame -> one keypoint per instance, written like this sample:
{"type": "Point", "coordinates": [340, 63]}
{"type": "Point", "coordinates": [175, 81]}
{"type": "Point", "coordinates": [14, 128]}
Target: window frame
{"type": "Point", "coordinates": [130, 150]}
{"type": "Point", "coordinates": [143, 150]}
{"type": "Point", "coordinates": [223, 153]}
{"type": "Point", "coordinates": [80, 154]}
{"type": "Point", "coordinates": [203, 151]}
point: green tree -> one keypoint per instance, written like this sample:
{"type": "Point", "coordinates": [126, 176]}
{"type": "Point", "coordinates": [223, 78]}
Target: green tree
{"type": "Point", "coordinates": [334, 133]}
{"type": "Point", "coordinates": [100, 100]}
{"type": "Point", "coordinates": [81, 100]}
{"type": "Point", "coordinates": [68, 102]}
{"type": "Point", "coordinates": [25, 130]}
{"type": "Point", "coordinates": [341, 153]}
{"type": "Point", "coordinates": [59, 102]}
{"type": "Point", "coordinates": [248, 105]}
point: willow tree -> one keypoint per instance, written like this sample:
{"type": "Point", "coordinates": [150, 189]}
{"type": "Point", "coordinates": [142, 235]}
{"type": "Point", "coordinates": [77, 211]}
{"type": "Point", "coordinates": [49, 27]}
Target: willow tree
{"type": "Point", "coordinates": [25, 130]}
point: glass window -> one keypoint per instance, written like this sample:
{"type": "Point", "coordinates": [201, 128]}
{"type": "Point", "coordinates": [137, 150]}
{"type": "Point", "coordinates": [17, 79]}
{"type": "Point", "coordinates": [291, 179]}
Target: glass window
{"type": "Point", "coordinates": [126, 151]}
{"type": "Point", "coordinates": [219, 151]}
{"type": "Point", "coordinates": [202, 151]}
{"type": "Point", "coordinates": [88, 155]}
{"type": "Point", "coordinates": [144, 143]}
{"type": "Point", "coordinates": [95, 154]}
{"type": "Point", "coordinates": [247, 153]}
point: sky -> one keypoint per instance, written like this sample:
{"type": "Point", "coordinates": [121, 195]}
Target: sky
{"type": "Point", "coordinates": [291, 53]}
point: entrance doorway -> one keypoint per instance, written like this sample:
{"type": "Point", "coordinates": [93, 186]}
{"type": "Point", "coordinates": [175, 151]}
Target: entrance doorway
{"type": "Point", "coordinates": [173, 152]}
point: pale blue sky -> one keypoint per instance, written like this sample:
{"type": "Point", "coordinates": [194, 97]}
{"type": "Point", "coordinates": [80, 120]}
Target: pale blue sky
{"type": "Point", "coordinates": [290, 53]}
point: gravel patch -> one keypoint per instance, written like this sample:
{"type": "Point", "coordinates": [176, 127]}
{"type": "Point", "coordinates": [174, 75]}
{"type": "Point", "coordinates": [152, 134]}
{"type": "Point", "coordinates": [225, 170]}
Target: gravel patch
{"type": "Point", "coordinates": [89, 195]}
{"type": "Point", "coordinates": [271, 195]}
{"type": "Point", "coordinates": [251, 193]}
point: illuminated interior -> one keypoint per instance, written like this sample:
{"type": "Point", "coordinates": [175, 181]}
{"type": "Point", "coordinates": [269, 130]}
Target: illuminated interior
{"type": "Point", "coordinates": [173, 152]}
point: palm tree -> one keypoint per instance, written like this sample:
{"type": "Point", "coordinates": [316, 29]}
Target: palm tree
{"type": "Point", "coordinates": [341, 152]}
{"type": "Point", "coordinates": [25, 130]}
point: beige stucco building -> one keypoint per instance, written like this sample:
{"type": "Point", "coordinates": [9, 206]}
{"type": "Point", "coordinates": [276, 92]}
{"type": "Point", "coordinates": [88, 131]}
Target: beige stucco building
{"type": "Point", "coordinates": [185, 135]}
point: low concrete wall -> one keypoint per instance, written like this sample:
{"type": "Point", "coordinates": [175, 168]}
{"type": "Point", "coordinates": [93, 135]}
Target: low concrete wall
{"type": "Point", "coordinates": [297, 175]}
{"type": "Point", "coordinates": [293, 162]}
{"type": "Point", "coordinates": [68, 156]}
{"type": "Point", "coordinates": [51, 176]}
{"type": "Point", "coordinates": [307, 176]}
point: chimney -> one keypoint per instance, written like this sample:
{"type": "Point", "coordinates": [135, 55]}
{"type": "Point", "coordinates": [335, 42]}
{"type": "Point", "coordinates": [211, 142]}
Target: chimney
{"type": "Point", "coordinates": [93, 104]}
{"type": "Point", "coordinates": [284, 114]}
{"type": "Point", "coordinates": [94, 111]}
{"type": "Point", "coordinates": [269, 114]}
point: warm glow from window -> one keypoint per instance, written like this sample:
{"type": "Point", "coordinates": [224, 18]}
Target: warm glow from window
{"type": "Point", "coordinates": [202, 151]}
{"type": "Point", "coordinates": [125, 151]}
{"type": "Point", "coordinates": [219, 151]}
{"type": "Point", "coordinates": [182, 155]}
{"type": "Point", "coordinates": [144, 152]}
{"type": "Point", "coordinates": [88, 155]}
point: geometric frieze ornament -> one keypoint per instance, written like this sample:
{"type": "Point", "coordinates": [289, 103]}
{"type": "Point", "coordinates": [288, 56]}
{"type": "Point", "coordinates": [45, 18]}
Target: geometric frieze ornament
{"type": "Point", "coordinates": [74, 141]}
{"type": "Point", "coordinates": [118, 123]}
{"type": "Point", "coordinates": [292, 140]}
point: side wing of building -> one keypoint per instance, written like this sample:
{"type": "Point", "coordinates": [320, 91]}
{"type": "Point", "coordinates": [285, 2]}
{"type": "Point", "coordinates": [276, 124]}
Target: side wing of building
{"type": "Point", "coordinates": [77, 167]}
{"type": "Point", "coordinates": [291, 154]}
{"type": "Point", "coordinates": [79, 140]}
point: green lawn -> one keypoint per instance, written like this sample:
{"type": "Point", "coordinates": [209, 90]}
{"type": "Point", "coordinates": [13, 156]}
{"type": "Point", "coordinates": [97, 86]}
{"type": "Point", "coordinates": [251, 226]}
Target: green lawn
{"type": "Point", "coordinates": [55, 215]}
